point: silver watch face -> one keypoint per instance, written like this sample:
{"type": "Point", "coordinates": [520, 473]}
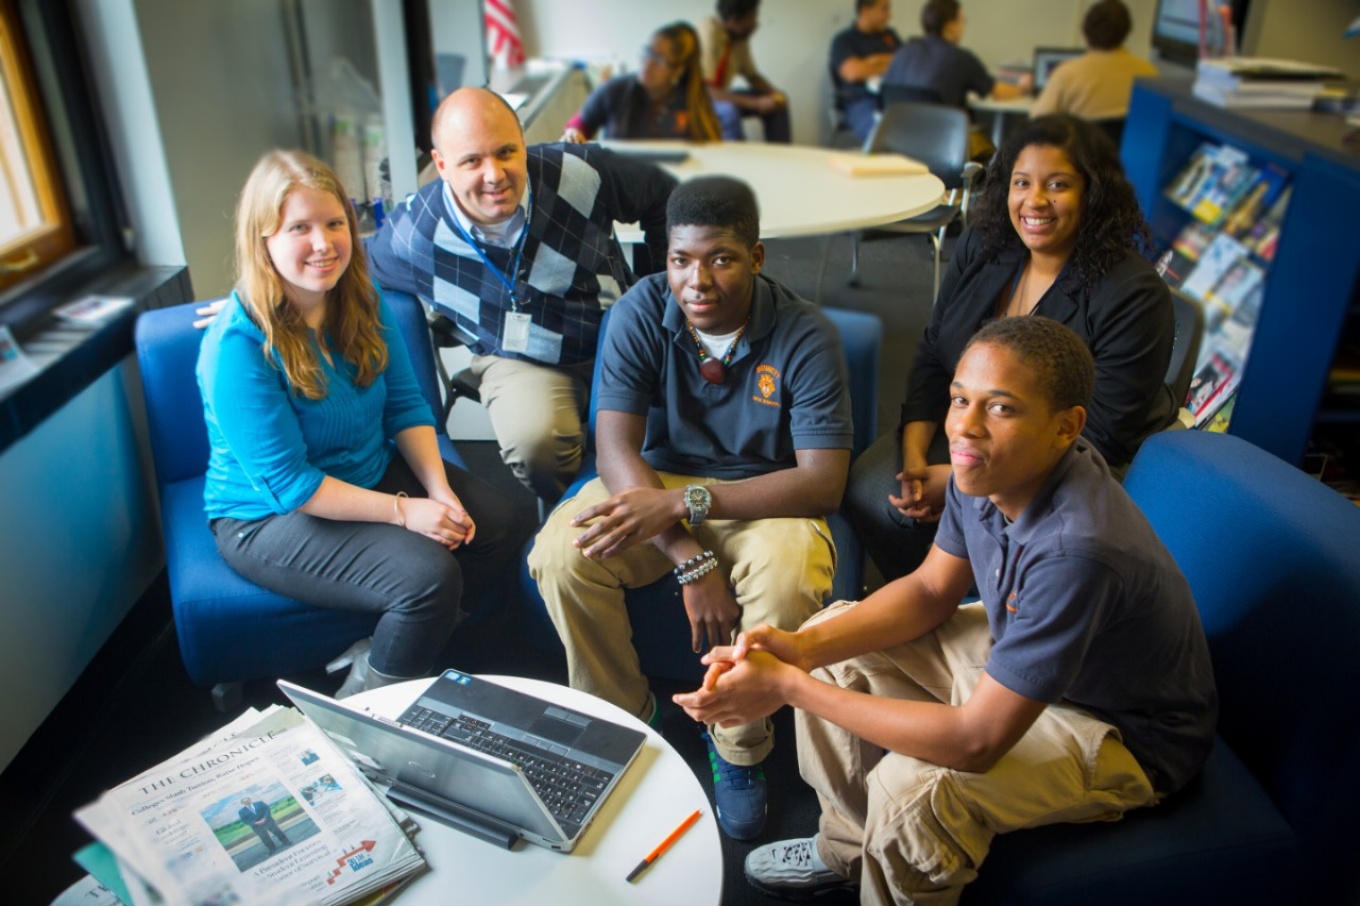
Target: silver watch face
{"type": "Point", "coordinates": [698, 499]}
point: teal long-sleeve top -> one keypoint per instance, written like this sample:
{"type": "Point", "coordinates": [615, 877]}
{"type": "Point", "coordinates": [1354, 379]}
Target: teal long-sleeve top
{"type": "Point", "coordinates": [270, 447]}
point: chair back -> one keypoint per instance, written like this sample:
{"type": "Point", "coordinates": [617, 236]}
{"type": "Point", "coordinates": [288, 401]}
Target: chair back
{"type": "Point", "coordinates": [1185, 347]}
{"type": "Point", "coordinates": [915, 94]}
{"type": "Point", "coordinates": [1270, 554]}
{"type": "Point", "coordinates": [935, 135]}
{"type": "Point", "coordinates": [1114, 128]}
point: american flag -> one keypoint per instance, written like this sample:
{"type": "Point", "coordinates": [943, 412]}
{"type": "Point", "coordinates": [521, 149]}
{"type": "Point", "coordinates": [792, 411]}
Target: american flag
{"type": "Point", "coordinates": [502, 34]}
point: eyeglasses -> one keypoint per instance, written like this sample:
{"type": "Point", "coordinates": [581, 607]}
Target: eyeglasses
{"type": "Point", "coordinates": [651, 56]}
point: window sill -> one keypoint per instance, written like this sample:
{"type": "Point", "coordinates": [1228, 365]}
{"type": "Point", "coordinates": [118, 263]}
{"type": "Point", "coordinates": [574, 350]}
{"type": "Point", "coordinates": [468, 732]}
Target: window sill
{"type": "Point", "coordinates": [70, 358]}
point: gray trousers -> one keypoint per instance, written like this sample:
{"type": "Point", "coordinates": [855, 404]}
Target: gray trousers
{"type": "Point", "coordinates": [412, 581]}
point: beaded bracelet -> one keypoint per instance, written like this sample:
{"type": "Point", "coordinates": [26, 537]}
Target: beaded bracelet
{"type": "Point", "coordinates": [396, 508]}
{"type": "Point", "coordinates": [698, 572]}
{"type": "Point", "coordinates": [692, 562]}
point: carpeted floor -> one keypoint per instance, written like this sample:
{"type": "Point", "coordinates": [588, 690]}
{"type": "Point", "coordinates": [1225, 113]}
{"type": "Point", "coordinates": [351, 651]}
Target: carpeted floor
{"type": "Point", "coordinates": [135, 705]}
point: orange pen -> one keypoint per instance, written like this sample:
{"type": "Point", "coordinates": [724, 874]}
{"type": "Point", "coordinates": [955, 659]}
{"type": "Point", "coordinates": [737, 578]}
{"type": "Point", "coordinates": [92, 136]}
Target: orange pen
{"type": "Point", "coordinates": [664, 845]}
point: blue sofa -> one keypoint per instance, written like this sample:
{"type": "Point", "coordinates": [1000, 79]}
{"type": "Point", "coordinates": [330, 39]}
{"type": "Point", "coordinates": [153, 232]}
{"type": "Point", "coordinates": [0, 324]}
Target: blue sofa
{"type": "Point", "coordinates": [230, 629]}
{"type": "Point", "coordinates": [1273, 557]}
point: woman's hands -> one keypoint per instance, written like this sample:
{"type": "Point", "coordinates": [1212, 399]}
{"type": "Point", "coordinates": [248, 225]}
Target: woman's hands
{"type": "Point", "coordinates": [440, 517]}
{"type": "Point", "coordinates": [923, 491]}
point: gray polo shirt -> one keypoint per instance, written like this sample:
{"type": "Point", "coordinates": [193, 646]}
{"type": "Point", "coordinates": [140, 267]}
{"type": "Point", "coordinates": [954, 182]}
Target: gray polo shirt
{"type": "Point", "coordinates": [786, 387]}
{"type": "Point", "coordinates": [1086, 606]}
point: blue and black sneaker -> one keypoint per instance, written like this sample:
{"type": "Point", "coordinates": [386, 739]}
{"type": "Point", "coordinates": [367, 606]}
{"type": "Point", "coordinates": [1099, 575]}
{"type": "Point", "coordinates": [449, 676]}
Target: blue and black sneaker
{"type": "Point", "coordinates": [739, 793]}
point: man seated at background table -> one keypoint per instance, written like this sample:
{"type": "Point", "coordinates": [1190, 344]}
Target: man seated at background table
{"type": "Point", "coordinates": [860, 54]}
{"type": "Point", "coordinates": [723, 436]}
{"type": "Point", "coordinates": [725, 40]}
{"type": "Point", "coordinates": [1098, 84]}
{"type": "Point", "coordinates": [937, 62]}
{"type": "Point", "coordinates": [1078, 688]}
{"type": "Point", "coordinates": [513, 243]}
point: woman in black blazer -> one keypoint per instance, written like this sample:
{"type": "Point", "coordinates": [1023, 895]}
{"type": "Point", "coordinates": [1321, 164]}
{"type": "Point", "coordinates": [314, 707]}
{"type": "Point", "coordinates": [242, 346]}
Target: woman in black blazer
{"type": "Point", "coordinates": [1056, 232]}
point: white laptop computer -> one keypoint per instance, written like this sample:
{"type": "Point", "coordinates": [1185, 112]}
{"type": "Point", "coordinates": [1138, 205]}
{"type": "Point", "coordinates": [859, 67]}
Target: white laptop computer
{"type": "Point", "coordinates": [489, 760]}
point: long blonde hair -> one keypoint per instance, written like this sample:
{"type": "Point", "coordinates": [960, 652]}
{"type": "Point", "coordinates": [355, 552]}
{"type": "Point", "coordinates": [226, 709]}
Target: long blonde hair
{"type": "Point", "coordinates": [352, 325]}
{"type": "Point", "coordinates": [703, 120]}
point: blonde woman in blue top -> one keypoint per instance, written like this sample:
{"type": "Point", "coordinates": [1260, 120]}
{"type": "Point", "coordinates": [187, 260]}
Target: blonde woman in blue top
{"type": "Point", "coordinates": [325, 481]}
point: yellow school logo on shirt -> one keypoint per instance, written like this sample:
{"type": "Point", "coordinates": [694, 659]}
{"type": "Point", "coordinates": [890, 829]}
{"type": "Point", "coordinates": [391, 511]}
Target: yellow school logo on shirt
{"type": "Point", "coordinates": [767, 382]}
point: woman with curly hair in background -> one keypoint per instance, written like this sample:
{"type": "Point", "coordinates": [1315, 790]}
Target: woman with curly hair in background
{"type": "Point", "coordinates": [1056, 232]}
{"type": "Point", "coordinates": [665, 99]}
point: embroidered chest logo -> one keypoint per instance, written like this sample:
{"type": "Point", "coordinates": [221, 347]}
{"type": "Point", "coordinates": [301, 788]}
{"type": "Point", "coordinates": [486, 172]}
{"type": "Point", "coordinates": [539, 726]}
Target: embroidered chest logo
{"type": "Point", "coordinates": [1010, 603]}
{"type": "Point", "coordinates": [767, 382]}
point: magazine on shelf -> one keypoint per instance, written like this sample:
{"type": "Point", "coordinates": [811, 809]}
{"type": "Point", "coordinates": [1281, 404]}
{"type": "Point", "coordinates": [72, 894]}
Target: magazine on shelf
{"type": "Point", "coordinates": [1214, 382]}
{"type": "Point", "coordinates": [1263, 237]}
{"type": "Point", "coordinates": [1218, 258]}
{"type": "Point", "coordinates": [1230, 178]}
{"type": "Point", "coordinates": [1270, 182]}
{"type": "Point", "coordinates": [1241, 280]}
{"type": "Point", "coordinates": [270, 812]}
{"type": "Point", "coordinates": [1197, 169]}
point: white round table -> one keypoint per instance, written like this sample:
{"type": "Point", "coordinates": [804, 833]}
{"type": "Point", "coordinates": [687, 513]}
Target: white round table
{"type": "Point", "coordinates": [655, 794]}
{"type": "Point", "coordinates": [799, 192]}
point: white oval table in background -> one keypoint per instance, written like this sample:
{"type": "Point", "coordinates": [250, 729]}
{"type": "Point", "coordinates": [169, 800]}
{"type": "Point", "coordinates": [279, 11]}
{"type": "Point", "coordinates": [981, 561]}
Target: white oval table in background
{"type": "Point", "coordinates": [655, 794]}
{"type": "Point", "coordinates": [799, 192]}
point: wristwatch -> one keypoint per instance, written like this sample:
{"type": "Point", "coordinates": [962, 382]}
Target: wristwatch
{"type": "Point", "coordinates": [698, 499]}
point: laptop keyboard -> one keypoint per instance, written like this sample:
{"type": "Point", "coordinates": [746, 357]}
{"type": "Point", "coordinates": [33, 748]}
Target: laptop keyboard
{"type": "Point", "coordinates": [567, 787]}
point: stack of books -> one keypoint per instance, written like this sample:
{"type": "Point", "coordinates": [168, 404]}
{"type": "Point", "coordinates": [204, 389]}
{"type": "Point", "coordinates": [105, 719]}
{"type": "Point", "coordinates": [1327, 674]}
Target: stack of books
{"type": "Point", "coordinates": [1261, 82]}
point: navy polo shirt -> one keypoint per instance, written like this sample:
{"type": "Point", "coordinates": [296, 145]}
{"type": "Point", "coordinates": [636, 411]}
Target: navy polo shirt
{"type": "Point", "coordinates": [786, 387]}
{"type": "Point", "coordinates": [1086, 606]}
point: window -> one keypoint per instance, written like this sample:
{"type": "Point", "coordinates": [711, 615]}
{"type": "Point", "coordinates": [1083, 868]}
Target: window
{"type": "Point", "coordinates": [60, 223]}
{"type": "Point", "coordinates": [35, 225]}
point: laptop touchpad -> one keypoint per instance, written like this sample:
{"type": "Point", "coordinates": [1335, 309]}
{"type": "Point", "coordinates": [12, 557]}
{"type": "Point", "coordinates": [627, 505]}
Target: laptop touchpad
{"type": "Point", "coordinates": [559, 726]}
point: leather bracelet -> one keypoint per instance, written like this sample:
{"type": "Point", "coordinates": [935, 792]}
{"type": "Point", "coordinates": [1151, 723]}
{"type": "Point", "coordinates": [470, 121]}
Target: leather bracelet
{"type": "Point", "coordinates": [693, 562]}
{"type": "Point", "coordinates": [698, 572]}
{"type": "Point", "coordinates": [396, 508]}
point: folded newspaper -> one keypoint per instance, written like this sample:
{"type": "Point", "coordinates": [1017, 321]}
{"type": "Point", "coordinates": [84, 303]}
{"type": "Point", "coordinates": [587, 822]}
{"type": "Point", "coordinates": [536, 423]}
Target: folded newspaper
{"type": "Point", "coordinates": [269, 812]}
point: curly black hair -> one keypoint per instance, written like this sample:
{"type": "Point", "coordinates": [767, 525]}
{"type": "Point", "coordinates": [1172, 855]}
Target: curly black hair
{"type": "Point", "coordinates": [1111, 223]}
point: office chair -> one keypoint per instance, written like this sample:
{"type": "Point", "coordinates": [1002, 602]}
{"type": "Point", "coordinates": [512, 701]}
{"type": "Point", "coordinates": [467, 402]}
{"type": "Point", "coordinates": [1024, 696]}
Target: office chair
{"type": "Point", "coordinates": [230, 629]}
{"type": "Point", "coordinates": [1185, 347]}
{"type": "Point", "coordinates": [661, 631]}
{"type": "Point", "coordinates": [462, 384]}
{"type": "Point", "coordinates": [1113, 127]}
{"type": "Point", "coordinates": [908, 94]}
{"type": "Point", "coordinates": [937, 136]}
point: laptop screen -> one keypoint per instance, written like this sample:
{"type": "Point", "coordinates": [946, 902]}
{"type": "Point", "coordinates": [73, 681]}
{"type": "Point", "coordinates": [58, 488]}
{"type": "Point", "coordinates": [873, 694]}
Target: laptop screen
{"type": "Point", "coordinates": [1047, 59]}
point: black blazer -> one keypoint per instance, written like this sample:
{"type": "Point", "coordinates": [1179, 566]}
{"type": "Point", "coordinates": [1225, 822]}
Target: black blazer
{"type": "Point", "coordinates": [1126, 319]}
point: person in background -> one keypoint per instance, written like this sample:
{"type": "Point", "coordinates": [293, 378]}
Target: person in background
{"type": "Point", "coordinates": [726, 42]}
{"type": "Point", "coordinates": [1057, 232]}
{"type": "Point", "coordinates": [1079, 686]}
{"type": "Point", "coordinates": [516, 245]}
{"type": "Point", "coordinates": [324, 481]}
{"type": "Point", "coordinates": [1098, 84]}
{"type": "Point", "coordinates": [936, 62]}
{"type": "Point", "coordinates": [724, 432]}
{"type": "Point", "coordinates": [860, 56]}
{"type": "Point", "coordinates": [666, 99]}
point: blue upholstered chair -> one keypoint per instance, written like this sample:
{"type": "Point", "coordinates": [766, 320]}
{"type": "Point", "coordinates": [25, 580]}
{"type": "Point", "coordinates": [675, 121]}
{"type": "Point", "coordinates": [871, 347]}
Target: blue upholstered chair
{"type": "Point", "coordinates": [660, 628]}
{"type": "Point", "coordinates": [229, 628]}
{"type": "Point", "coordinates": [1273, 557]}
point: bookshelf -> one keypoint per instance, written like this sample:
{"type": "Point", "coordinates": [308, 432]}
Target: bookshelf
{"type": "Point", "coordinates": [1311, 291]}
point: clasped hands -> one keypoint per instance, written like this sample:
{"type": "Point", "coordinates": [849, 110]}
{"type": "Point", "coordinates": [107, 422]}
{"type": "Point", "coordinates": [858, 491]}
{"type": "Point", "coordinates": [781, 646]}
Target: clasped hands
{"type": "Point", "coordinates": [923, 492]}
{"type": "Point", "coordinates": [746, 681]}
{"type": "Point", "coordinates": [439, 517]}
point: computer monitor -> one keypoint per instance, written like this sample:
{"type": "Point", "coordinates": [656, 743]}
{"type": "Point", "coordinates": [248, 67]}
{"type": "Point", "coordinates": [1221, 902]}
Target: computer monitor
{"type": "Point", "coordinates": [1047, 59]}
{"type": "Point", "coordinates": [1176, 27]}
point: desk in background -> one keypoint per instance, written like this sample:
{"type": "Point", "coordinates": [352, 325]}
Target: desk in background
{"type": "Point", "coordinates": [799, 192]}
{"type": "Point", "coordinates": [654, 795]}
{"type": "Point", "coordinates": [1002, 112]}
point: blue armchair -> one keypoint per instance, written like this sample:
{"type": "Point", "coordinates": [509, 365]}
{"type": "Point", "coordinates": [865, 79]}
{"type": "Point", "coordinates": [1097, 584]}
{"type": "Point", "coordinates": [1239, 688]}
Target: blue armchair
{"type": "Point", "coordinates": [661, 630]}
{"type": "Point", "coordinates": [230, 629]}
{"type": "Point", "coordinates": [1273, 558]}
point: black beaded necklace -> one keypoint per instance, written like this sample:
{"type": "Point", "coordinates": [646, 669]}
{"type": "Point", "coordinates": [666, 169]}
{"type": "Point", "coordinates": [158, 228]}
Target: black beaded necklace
{"type": "Point", "coordinates": [714, 371]}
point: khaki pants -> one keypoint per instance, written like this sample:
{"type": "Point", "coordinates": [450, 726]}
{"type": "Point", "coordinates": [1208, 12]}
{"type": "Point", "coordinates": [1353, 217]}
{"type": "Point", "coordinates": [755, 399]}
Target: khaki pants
{"type": "Point", "coordinates": [536, 412]}
{"type": "Point", "coordinates": [912, 832]}
{"type": "Point", "coordinates": [779, 569]}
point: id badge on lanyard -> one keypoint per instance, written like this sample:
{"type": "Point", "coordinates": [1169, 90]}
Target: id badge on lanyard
{"type": "Point", "coordinates": [516, 335]}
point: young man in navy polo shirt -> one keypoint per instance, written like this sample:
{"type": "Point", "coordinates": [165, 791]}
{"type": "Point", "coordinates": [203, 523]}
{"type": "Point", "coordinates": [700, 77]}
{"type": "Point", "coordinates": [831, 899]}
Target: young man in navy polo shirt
{"type": "Point", "coordinates": [1078, 688]}
{"type": "Point", "coordinates": [723, 436]}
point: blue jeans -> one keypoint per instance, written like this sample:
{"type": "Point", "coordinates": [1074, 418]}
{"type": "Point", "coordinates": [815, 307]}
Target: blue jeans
{"type": "Point", "coordinates": [776, 125]}
{"type": "Point", "coordinates": [415, 583]}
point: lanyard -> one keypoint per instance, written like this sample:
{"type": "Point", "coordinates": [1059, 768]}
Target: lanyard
{"type": "Point", "coordinates": [507, 281]}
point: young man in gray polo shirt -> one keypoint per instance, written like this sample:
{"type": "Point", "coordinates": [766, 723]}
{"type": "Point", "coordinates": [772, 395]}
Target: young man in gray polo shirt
{"type": "Point", "coordinates": [723, 435]}
{"type": "Point", "coordinates": [1078, 688]}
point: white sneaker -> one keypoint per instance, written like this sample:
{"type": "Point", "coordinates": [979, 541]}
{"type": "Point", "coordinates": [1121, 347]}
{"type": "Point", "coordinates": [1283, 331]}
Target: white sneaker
{"type": "Point", "coordinates": [792, 869]}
